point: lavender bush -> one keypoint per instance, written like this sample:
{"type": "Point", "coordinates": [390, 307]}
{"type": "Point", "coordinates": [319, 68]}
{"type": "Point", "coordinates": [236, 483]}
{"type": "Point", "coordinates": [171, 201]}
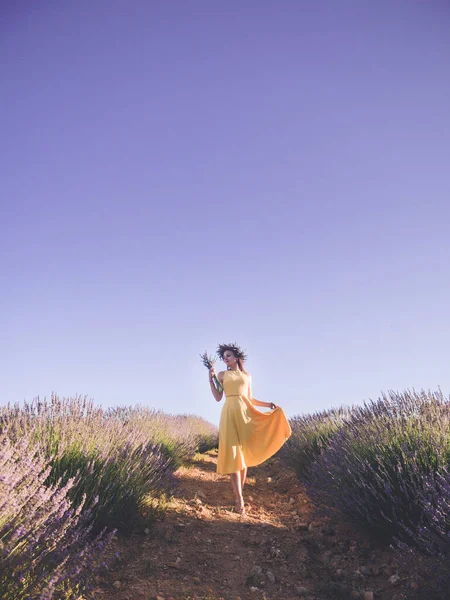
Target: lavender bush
{"type": "Point", "coordinates": [180, 436]}
{"type": "Point", "coordinates": [119, 457]}
{"type": "Point", "coordinates": [206, 435]}
{"type": "Point", "coordinates": [382, 467]}
{"type": "Point", "coordinates": [432, 537]}
{"type": "Point", "coordinates": [70, 470]}
{"type": "Point", "coordinates": [46, 546]}
{"type": "Point", "coordinates": [116, 467]}
{"type": "Point", "coordinates": [387, 465]}
{"type": "Point", "coordinates": [311, 436]}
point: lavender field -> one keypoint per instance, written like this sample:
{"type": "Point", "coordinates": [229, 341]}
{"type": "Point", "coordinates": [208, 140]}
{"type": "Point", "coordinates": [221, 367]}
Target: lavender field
{"type": "Point", "coordinates": [385, 464]}
{"type": "Point", "coordinates": [72, 476]}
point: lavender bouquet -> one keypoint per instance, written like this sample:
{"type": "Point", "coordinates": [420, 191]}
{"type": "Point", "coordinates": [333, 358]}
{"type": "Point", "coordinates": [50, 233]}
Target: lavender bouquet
{"type": "Point", "coordinates": [209, 362]}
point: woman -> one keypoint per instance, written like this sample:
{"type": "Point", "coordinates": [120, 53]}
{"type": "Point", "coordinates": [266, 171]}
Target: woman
{"type": "Point", "coordinates": [247, 436]}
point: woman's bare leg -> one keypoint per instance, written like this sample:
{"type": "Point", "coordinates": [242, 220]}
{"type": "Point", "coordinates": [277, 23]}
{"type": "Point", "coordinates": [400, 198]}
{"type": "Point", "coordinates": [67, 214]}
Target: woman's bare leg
{"type": "Point", "coordinates": [236, 483]}
{"type": "Point", "coordinates": [243, 474]}
{"type": "Point", "coordinates": [237, 489]}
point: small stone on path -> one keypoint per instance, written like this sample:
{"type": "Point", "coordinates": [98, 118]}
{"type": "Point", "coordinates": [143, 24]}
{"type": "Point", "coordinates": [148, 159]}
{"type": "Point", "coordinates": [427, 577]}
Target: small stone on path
{"type": "Point", "coordinates": [394, 579]}
{"type": "Point", "coordinates": [270, 576]}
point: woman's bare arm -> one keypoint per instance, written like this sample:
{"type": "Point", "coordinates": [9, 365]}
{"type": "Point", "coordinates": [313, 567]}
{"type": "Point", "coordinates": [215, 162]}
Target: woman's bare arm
{"type": "Point", "coordinates": [256, 402]}
{"type": "Point", "coordinates": [215, 392]}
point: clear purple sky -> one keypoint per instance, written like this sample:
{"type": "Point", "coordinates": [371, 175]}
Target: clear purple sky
{"type": "Point", "coordinates": [179, 174]}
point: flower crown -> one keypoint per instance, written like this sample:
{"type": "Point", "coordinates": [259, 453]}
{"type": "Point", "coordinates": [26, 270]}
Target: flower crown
{"type": "Point", "coordinates": [234, 348]}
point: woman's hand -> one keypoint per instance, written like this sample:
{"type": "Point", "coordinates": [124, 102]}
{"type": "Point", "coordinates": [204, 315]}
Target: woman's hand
{"type": "Point", "coordinates": [270, 405]}
{"type": "Point", "coordinates": [216, 385]}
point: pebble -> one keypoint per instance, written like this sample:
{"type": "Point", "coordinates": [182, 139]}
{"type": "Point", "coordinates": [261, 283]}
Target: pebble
{"type": "Point", "coordinates": [368, 595]}
{"type": "Point", "coordinates": [270, 576]}
{"type": "Point", "coordinates": [301, 591]}
{"type": "Point", "coordinates": [250, 498]}
{"type": "Point", "coordinates": [117, 585]}
{"type": "Point", "coordinates": [256, 570]}
{"type": "Point", "coordinates": [336, 590]}
{"type": "Point", "coordinates": [269, 480]}
{"type": "Point", "coordinates": [394, 579]}
{"type": "Point", "coordinates": [291, 501]}
{"type": "Point", "coordinates": [414, 584]}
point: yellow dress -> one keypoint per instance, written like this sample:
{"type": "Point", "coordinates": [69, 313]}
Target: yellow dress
{"type": "Point", "coordinates": [247, 436]}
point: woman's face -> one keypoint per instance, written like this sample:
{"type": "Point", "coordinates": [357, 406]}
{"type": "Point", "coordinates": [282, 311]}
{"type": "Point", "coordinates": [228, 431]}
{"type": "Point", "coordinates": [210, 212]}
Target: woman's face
{"type": "Point", "coordinates": [229, 358]}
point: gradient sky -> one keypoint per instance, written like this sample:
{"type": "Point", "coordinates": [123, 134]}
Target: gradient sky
{"type": "Point", "coordinates": [180, 174]}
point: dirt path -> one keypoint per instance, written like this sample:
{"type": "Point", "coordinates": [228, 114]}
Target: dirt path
{"type": "Point", "coordinates": [281, 550]}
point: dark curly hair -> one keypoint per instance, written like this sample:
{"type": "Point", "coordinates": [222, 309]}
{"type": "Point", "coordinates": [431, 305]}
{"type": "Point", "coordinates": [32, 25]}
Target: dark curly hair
{"type": "Point", "coordinates": [234, 348]}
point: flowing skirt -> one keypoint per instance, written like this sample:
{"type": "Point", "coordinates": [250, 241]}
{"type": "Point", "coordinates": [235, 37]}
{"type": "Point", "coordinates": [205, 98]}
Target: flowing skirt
{"type": "Point", "coordinates": [247, 436]}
